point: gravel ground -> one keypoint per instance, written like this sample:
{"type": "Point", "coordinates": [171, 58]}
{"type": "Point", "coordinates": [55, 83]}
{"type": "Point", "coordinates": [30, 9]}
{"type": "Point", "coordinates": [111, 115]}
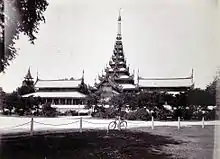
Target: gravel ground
{"type": "Point", "coordinates": [196, 142]}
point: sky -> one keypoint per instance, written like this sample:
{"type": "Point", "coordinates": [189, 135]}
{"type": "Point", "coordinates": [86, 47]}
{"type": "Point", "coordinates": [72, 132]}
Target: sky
{"type": "Point", "coordinates": [160, 38]}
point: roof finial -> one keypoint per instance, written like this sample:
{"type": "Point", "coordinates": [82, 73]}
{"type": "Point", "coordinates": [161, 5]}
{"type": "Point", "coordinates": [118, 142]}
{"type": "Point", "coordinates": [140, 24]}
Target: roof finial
{"type": "Point", "coordinates": [119, 14]}
{"type": "Point", "coordinates": [192, 74]}
{"type": "Point", "coordinates": [119, 22]}
{"type": "Point", "coordinates": [138, 77]}
{"type": "Point", "coordinates": [95, 79]}
{"type": "Point", "coordinates": [37, 76]}
{"type": "Point", "coordinates": [83, 74]}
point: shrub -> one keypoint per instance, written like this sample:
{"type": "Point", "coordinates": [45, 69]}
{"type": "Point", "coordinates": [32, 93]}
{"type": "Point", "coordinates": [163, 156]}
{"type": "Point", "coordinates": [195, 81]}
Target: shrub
{"type": "Point", "coordinates": [99, 114]}
{"type": "Point", "coordinates": [110, 112]}
{"type": "Point", "coordinates": [139, 114]}
{"type": "Point", "coordinates": [130, 116]}
{"type": "Point", "coordinates": [48, 111]}
{"type": "Point", "coordinates": [211, 115]}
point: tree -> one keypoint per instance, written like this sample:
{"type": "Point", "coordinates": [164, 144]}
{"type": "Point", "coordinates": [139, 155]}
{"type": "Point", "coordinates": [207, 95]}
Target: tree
{"type": "Point", "coordinates": [18, 16]}
{"type": "Point", "coordinates": [118, 101]}
{"type": "Point", "coordinates": [25, 90]}
{"type": "Point", "coordinates": [12, 100]}
{"type": "Point", "coordinates": [2, 98]}
{"type": "Point", "coordinates": [93, 99]}
{"type": "Point", "coordinates": [48, 111]}
{"type": "Point", "coordinates": [211, 90]}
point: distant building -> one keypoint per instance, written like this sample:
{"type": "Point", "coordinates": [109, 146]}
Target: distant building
{"type": "Point", "coordinates": [170, 85]}
{"type": "Point", "coordinates": [69, 94]}
{"type": "Point", "coordinates": [63, 94]}
{"type": "Point", "coordinates": [117, 77]}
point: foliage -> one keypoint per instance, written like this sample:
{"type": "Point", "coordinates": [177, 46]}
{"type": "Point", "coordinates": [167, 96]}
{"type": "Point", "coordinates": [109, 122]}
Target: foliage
{"type": "Point", "coordinates": [18, 16]}
{"type": "Point", "coordinates": [2, 98]}
{"type": "Point", "coordinates": [48, 111]}
{"type": "Point", "coordinates": [25, 90]}
{"type": "Point", "coordinates": [22, 106]}
{"type": "Point", "coordinates": [139, 114]}
{"type": "Point", "coordinates": [200, 97]}
{"type": "Point", "coordinates": [93, 99]}
{"type": "Point", "coordinates": [13, 100]}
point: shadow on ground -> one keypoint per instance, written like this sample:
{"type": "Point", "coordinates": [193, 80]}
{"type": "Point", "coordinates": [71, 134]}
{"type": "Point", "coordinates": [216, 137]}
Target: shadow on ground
{"type": "Point", "coordinates": [87, 145]}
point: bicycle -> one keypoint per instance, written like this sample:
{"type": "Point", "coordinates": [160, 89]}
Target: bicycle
{"type": "Point", "coordinates": [121, 124]}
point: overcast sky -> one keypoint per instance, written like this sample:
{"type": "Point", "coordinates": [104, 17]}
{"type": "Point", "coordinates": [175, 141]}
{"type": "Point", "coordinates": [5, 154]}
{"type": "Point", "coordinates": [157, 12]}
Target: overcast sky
{"type": "Point", "coordinates": [161, 38]}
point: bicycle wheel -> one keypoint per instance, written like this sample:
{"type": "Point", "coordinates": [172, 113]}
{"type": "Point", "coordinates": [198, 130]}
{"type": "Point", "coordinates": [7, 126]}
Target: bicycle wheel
{"type": "Point", "coordinates": [112, 125]}
{"type": "Point", "coordinates": [123, 124]}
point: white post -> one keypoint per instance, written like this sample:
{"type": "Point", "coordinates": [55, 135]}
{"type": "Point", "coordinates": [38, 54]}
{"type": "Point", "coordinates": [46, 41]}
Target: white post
{"type": "Point", "coordinates": [119, 124]}
{"type": "Point", "coordinates": [80, 125]}
{"type": "Point", "coordinates": [152, 119]}
{"type": "Point", "coordinates": [203, 120]}
{"type": "Point", "coordinates": [107, 130]}
{"type": "Point", "coordinates": [32, 126]}
{"type": "Point", "coordinates": [178, 122]}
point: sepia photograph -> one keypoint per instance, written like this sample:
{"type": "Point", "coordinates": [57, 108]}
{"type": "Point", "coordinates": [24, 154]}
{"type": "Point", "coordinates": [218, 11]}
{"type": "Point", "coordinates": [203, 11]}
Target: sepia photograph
{"type": "Point", "coordinates": [119, 79]}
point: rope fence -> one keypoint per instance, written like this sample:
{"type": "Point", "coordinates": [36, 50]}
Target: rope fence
{"type": "Point", "coordinates": [80, 120]}
{"type": "Point", "coordinates": [54, 124]}
{"type": "Point", "coordinates": [17, 126]}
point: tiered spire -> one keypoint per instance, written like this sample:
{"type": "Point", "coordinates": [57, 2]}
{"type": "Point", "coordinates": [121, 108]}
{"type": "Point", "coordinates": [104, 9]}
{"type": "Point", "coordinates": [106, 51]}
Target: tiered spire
{"type": "Point", "coordinates": [118, 69]}
{"type": "Point", "coordinates": [28, 79]}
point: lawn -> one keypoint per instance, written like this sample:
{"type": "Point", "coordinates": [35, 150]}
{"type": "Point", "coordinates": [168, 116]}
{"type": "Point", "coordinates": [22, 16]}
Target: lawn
{"type": "Point", "coordinates": [89, 144]}
{"type": "Point", "coordinates": [136, 143]}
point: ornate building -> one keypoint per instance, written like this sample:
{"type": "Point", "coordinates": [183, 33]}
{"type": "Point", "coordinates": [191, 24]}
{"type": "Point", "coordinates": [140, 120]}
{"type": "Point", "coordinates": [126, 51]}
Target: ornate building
{"type": "Point", "coordinates": [170, 85]}
{"type": "Point", "coordinates": [117, 78]}
{"type": "Point", "coordinates": [65, 94]}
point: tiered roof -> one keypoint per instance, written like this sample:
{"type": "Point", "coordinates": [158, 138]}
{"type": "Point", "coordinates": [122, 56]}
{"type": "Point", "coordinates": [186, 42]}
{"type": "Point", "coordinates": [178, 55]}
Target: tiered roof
{"type": "Point", "coordinates": [74, 94]}
{"type": "Point", "coordinates": [58, 83]}
{"type": "Point", "coordinates": [117, 74]}
{"type": "Point", "coordinates": [167, 83]}
{"type": "Point", "coordinates": [62, 88]}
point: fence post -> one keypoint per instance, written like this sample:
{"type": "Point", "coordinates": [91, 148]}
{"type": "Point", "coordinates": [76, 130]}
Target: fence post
{"type": "Point", "coordinates": [178, 122]}
{"type": "Point", "coordinates": [203, 120]}
{"type": "Point", "coordinates": [152, 119]}
{"type": "Point", "coordinates": [32, 126]}
{"type": "Point", "coordinates": [80, 125]}
{"type": "Point", "coordinates": [107, 130]}
{"type": "Point", "coordinates": [119, 124]}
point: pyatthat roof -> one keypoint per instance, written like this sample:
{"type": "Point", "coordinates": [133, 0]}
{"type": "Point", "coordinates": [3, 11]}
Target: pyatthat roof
{"type": "Point", "coordinates": [56, 94]}
{"type": "Point", "coordinates": [165, 82]}
{"type": "Point", "coordinates": [58, 83]}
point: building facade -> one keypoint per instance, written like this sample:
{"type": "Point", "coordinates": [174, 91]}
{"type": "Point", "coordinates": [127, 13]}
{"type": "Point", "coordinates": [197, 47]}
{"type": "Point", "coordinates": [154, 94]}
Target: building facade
{"type": "Point", "coordinates": [63, 94]}
{"type": "Point", "coordinates": [117, 78]}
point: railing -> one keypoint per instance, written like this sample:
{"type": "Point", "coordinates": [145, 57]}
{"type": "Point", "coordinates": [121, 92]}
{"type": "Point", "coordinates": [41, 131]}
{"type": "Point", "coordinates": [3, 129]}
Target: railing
{"type": "Point", "coordinates": [80, 120]}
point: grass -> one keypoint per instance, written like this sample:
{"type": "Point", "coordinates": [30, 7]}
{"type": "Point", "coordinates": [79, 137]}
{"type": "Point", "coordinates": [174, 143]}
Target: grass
{"type": "Point", "coordinates": [89, 144]}
{"type": "Point", "coordinates": [138, 143]}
